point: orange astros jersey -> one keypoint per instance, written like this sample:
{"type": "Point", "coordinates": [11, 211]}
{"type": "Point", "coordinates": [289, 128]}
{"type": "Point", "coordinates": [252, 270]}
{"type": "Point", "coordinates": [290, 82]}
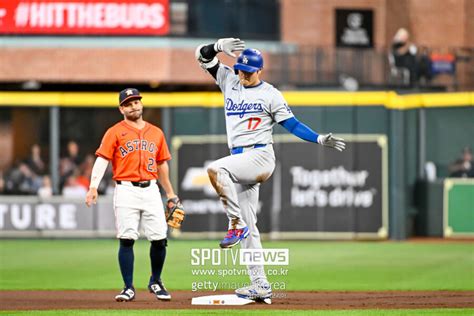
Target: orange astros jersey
{"type": "Point", "coordinates": [134, 153]}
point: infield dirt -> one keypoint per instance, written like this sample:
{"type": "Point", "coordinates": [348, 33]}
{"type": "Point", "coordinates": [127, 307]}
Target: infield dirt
{"type": "Point", "coordinates": [53, 300]}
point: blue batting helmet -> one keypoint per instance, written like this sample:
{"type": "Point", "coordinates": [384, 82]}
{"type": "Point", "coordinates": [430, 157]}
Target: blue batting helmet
{"type": "Point", "coordinates": [250, 60]}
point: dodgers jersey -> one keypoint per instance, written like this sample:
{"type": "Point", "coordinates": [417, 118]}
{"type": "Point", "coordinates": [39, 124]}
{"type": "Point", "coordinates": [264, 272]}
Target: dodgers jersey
{"type": "Point", "coordinates": [250, 112]}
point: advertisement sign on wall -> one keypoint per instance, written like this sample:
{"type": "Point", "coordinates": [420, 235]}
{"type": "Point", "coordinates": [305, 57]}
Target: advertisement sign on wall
{"type": "Point", "coordinates": [458, 208]}
{"type": "Point", "coordinates": [104, 17]}
{"type": "Point", "coordinates": [331, 191]}
{"type": "Point", "coordinates": [312, 190]}
{"type": "Point", "coordinates": [354, 28]}
{"type": "Point", "coordinates": [31, 216]}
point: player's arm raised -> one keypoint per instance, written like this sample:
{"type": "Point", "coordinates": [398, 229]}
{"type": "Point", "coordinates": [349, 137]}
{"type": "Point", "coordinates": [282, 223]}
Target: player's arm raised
{"type": "Point", "coordinates": [98, 171]}
{"type": "Point", "coordinates": [206, 54]}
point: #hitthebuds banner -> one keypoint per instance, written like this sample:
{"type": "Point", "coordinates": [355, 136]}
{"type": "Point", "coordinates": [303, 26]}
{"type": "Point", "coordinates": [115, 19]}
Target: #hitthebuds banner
{"type": "Point", "coordinates": [114, 17]}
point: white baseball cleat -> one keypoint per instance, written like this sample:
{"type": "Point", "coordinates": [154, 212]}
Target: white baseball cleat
{"type": "Point", "coordinates": [127, 295]}
{"type": "Point", "coordinates": [159, 290]}
{"type": "Point", "coordinates": [260, 291]}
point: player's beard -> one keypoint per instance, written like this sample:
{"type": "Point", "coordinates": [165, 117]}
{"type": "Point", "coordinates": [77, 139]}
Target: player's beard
{"type": "Point", "coordinates": [134, 115]}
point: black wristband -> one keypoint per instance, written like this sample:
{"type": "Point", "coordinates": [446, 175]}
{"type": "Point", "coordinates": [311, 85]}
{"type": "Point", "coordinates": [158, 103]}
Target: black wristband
{"type": "Point", "coordinates": [208, 52]}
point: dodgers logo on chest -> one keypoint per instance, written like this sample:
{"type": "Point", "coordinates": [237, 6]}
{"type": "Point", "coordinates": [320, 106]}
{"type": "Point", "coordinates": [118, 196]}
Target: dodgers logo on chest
{"type": "Point", "coordinates": [242, 108]}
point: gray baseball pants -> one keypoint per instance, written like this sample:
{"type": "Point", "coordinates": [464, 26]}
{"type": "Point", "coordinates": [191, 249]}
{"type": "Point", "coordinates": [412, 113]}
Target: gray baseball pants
{"type": "Point", "coordinates": [237, 179]}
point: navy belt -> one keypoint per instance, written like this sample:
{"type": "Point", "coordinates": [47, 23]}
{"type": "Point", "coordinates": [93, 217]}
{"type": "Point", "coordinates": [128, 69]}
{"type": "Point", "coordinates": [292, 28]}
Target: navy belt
{"type": "Point", "coordinates": [141, 184]}
{"type": "Point", "coordinates": [239, 150]}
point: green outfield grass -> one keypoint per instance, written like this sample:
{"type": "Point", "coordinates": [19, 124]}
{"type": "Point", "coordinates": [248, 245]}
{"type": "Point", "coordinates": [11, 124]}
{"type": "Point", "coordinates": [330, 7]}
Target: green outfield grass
{"type": "Point", "coordinates": [348, 266]}
{"type": "Point", "coordinates": [388, 312]}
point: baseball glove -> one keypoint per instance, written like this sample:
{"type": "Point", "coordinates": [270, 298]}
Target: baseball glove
{"type": "Point", "coordinates": [174, 213]}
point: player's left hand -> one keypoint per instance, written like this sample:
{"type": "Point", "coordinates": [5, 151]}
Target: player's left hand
{"type": "Point", "coordinates": [332, 141]}
{"type": "Point", "coordinates": [229, 45]}
{"type": "Point", "coordinates": [174, 212]}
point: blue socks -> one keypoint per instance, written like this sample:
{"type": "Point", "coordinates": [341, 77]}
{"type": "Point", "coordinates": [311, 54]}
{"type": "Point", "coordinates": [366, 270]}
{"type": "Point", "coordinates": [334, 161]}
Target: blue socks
{"type": "Point", "coordinates": [126, 259]}
{"type": "Point", "coordinates": [157, 258]}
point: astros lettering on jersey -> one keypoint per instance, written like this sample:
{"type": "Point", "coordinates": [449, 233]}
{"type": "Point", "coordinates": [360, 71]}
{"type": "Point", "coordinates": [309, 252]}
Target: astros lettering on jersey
{"type": "Point", "coordinates": [139, 151]}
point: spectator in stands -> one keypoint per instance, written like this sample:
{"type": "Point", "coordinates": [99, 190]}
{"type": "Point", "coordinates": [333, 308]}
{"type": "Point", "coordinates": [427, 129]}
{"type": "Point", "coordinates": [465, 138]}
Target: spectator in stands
{"type": "Point", "coordinates": [46, 189]}
{"type": "Point", "coordinates": [73, 189]}
{"type": "Point", "coordinates": [69, 163]}
{"type": "Point", "coordinates": [21, 180]}
{"type": "Point", "coordinates": [406, 56]}
{"type": "Point", "coordinates": [34, 162]}
{"type": "Point", "coordinates": [464, 166]}
{"type": "Point", "coordinates": [2, 182]}
{"type": "Point", "coordinates": [84, 174]}
{"type": "Point", "coordinates": [85, 170]}
{"type": "Point", "coordinates": [73, 152]}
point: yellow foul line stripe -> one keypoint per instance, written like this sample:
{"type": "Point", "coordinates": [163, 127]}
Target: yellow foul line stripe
{"type": "Point", "coordinates": [388, 99]}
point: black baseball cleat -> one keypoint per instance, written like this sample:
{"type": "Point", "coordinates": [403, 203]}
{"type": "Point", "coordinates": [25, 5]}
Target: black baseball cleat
{"type": "Point", "coordinates": [159, 290]}
{"type": "Point", "coordinates": [127, 295]}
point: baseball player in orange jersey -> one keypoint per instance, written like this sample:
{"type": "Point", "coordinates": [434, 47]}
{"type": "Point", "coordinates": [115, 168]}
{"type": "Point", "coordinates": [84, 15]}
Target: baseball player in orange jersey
{"type": "Point", "coordinates": [139, 154]}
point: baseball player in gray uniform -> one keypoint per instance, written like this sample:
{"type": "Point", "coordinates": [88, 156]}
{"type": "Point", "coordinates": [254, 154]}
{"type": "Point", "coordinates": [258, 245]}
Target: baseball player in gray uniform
{"type": "Point", "coordinates": [252, 107]}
